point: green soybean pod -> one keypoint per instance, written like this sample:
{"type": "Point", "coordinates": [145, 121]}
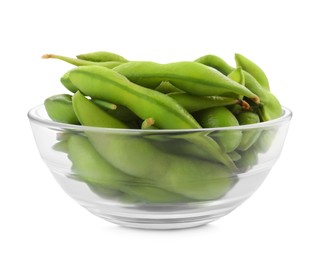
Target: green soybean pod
{"type": "Point", "coordinates": [253, 69]}
{"type": "Point", "coordinates": [61, 146]}
{"type": "Point", "coordinates": [190, 177]}
{"type": "Point", "coordinates": [136, 156]}
{"type": "Point", "coordinates": [102, 177]}
{"type": "Point", "coordinates": [250, 136]}
{"type": "Point", "coordinates": [102, 83]}
{"type": "Point", "coordinates": [90, 110]}
{"type": "Point", "coordinates": [191, 77]}
{"type": "Point", "coordinates": [106, 84]}
{"type": "Point", "coordinates": [216, 63]}
{"type": "Point", "coordinates": [66, 82]}
{"type": "Point", "coordinates": [248, 159]}
{"type": "Point", "coordinates": [271, 107]}
{"type": "Point", "coordinates": [265, 140]}
{"type": "Point", "coordinates": [59, 108]}
{"type": "Point", "coordinates": [221, 117]}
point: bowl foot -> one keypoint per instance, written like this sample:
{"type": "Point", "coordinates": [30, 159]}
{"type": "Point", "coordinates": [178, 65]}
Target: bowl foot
{"type": "Point", "coordinates": [160, 223]}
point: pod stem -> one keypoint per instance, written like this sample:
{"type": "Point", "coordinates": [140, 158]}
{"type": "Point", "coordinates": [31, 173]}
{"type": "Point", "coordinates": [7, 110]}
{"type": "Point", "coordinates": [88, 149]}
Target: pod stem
{"type": "Point", "coordinates": [73, 61]}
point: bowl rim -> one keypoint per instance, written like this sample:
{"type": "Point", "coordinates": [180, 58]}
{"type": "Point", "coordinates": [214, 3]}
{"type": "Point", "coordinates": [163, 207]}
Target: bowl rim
{"type": "Point", "coordinates": [38, 115]}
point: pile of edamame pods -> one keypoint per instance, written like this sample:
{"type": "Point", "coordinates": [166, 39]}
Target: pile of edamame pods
{"type": "Point", "coordinates": [154, 166]}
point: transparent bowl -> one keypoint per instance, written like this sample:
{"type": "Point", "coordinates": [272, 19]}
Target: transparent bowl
{"type": "Point", "coordinates": [158, 179]}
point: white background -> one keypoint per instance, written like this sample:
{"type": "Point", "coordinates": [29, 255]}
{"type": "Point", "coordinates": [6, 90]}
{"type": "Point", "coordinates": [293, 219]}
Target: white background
{"type": "Point", "coordinates": [287, 218]}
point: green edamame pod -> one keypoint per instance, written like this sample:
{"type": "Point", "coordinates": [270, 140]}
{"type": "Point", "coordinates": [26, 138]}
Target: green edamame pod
{"type": "Point", "coordinates": [216, 63]}
{"type": "Point", "coordinates": [221, 117]}
{"type": "Point", "coordinates": [59, 108]}
{"type": "Point", "coordinates": [101, 56]}
{"type": "Point", "coordinates": [191, 77]}
{"type": "Point", "coordinates": [106, 192]}
{"type": "Point", "coordinates": [102, 83]}
{"type": "Point", "coordinates": [249, 158]}
{"type": "Point", "coordinates": [61, 146]}
{"type": "Point", "coordinates": [102, 176]}
{"type": "Point", "coordinates": [79, 102]}
{"type": "Point", "coordinates": [91, 167]}
{"type": "Point", "coordinates": [67, 83]}
{"type": "Point", "coordinates": [79, 62]}
{"type": "Point", "coordinates": [252, 68]}
{"type": "Point", "coordinates": [270, 107]}
{"type": "Point", "coordinates": [265, 140]}
{"type": "Point", "coordinates": [235, 156]}
{"type": "Point", "coordinates": [194, 103]}
{"type": "Point", "coordinates": [250, 136]}
{"type": "Point", "coordinates": [136, 156]}
{"type": "Point", "coordinates": [189, 177]}
{"type": "Point", "coordinates": [181, 147]}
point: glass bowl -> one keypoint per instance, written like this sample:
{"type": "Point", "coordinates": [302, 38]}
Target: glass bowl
{"type": "Point", "coordinates": [158, 179]}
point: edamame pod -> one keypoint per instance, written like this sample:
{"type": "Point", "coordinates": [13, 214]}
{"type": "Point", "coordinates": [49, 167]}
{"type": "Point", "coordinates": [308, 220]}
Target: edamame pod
{"type": "Point", "coordinates": [191, 77]}
{"type": "Point", "coordinates": [183, 148]}
{"type": "Point", "coordinates": [67, 83]}
{"type": "Point", "coordinates": [250, 136]}
{"type": "Point", "coordinates": [235, 156]}
{"type": "Point", "coordinates": [189, 177]}
{"type": "Point", "coordinates": [221, 117]}
{"type": "Point", "coordinates": [59, 108]}
{"type": "Point", "coordinates": [252, 68]}
{"type": "Point", "coordinates": [270, 107]}
{"type": "Point", "coordinates": [216, 63]}
{"type": "Point", "coordinates": [98, 173]}
{"type": "Point", "coordinates": [249, 158]}
{"type": "Point", "coordinates": [102, 83]}
{"type": "Point", "coordinates": [61, 146]}
{"type": "Point", "coordinates": [101, 56]}
{"type": "Point", "coordinates": [79, 102]}
{"type": "Point", "coordinates": [265, 140]}
{"type": "Point", "coordinates": [136, 156]}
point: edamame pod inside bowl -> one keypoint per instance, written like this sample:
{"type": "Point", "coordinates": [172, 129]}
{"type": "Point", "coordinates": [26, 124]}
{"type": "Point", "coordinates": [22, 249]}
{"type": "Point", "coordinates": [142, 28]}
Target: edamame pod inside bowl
{"type": "Point", "coordinates": [157, 178]}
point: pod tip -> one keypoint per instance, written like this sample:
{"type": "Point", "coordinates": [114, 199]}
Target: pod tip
{"type": "Point", "coordinates": [245, 105]}
{"type": "Point", "coordinates": [256, 99]}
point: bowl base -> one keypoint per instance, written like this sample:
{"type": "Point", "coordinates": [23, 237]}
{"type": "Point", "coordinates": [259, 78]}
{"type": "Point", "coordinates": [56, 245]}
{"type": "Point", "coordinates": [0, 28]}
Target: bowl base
{"type": "Point", "coordinates": [159, 224]}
